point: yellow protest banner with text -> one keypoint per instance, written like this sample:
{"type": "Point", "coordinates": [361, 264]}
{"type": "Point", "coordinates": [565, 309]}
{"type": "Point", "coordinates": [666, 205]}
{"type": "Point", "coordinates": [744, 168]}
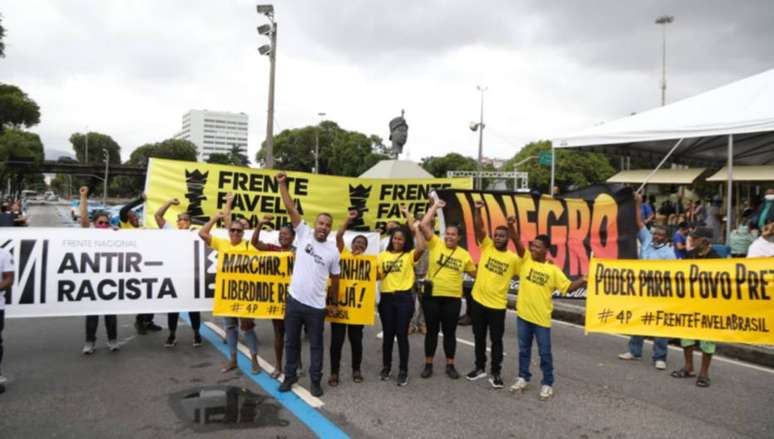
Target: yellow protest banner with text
{"type": "Point", "coordinates": [201, 189]}
{"type": "Point", "coordinates": [252, 284]}
{"type": "Point", "coordinates": [726, 300]}
{"type": "Point", "coordinates": [357, 292]}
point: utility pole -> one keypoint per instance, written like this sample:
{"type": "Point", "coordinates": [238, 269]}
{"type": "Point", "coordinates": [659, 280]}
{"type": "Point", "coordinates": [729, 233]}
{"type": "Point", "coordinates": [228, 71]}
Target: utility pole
{"type": "Point", "coordinates": [317, 145]}
{"type": "Point", "coordinates": [270, 49]}
{"type": "Point", "coordinates": [663, 21]}
{"type": "Point", "coordinates": [105, 182]}
{"type": "Point", "coordinates": [481, 137]}
{"type": "Point", "coordinates": [86, 148]}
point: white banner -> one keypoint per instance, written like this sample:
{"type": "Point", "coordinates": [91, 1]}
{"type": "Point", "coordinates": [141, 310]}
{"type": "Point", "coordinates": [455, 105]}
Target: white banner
{"type": "Point", "coordinates": [72, 272]}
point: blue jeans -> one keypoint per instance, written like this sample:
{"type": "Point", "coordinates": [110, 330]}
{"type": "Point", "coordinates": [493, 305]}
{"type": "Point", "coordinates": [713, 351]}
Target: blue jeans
{"type": "Point", "coordinates": [526, 332]}
{"type": "Point", "coordinates": [232, 335]}
{"type": "Point", "coordinates": [297, 315]}
{"type": "Point", "coordinates": [659, 347]}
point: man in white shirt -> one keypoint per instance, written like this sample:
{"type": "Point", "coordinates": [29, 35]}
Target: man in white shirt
{"type": "Point", "coordinates": [316, 260]}
{"type": "Point", "coordinates": [6, 280]}
{"type": "Point", "coordinates": [764, 245]}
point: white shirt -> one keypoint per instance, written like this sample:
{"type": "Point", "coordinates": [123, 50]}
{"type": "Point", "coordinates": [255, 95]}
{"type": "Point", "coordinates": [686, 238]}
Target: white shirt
{"type": "Point", "coordinates": [761, 247]}
{"type": "Point", "coordinates": [314, 262]}
{"type": "Point", "coordinates": [6, 266]}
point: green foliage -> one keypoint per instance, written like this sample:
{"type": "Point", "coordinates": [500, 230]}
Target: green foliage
{"type": "Point", "coordinates": [18, 145]}
{"type": "Point", "coordinates": [219, 158]}
{"type": "Point", "coordinates": [61, 185]}
{"type": "Point", "coordinates": [2, 38]}
{"type": "Point", "coordinates": [342, 152]}
{"type": "Point", "coordinates": [438, 166]}
{"type": "Point", "coordinates": [233, 157]}
{"type": "Point", "coordinates": [174, 149]}
{"type": "Point", "coordinates": [574, 169]}
{"type": "Point", "coordinates": [16, 108]}
{"type": "Point", "coordinates": [97, 142]}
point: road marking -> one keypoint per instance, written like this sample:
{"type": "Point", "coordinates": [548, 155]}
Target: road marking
{"type": "Point", "coordinates": [304, 411]}
{"type": "Point", "coordinates": [670, 347]}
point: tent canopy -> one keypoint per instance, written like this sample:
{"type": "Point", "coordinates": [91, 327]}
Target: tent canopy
{"type": "Point", "coordinates": [744, 108]}
{"type": "Point", "coordinates": [746, 173]}
{"type": "Point", "coordinates": [662, 176]}
{"type": "Point", "coordinates": [396, 169]}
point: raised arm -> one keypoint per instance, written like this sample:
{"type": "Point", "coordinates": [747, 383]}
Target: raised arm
{"type": "Point", "coordinates": [204, 232]}
{"type": "Point", "coordinates": [407, 215]}
{"type": "Point", "coordinates": [638, 213]}
{"type": "Point", "coordinates": [84, 206]}
{"type": "Point", "coordinates": [351, 216]}
{"type": "Point", "coordinates": [290, 206]}
{"type": "Point", "coordinates": [513, 231]}
{"type": "Point", "coordinates": [255, 241]}
{"type": "Point", "coordinates": [577, 283]}
{"type": "Point", "coordinates": [478, 222]}
{"type": "Point", "coordinates": [159, 215]}
{"type": "Point", "coordinates": [227, 210]}
{"type": "Point", "coordinates": [123, 214]}
{"type": "Point", "coordinates": [420, 245]}
{"type": "Point", "coordinates": [426, 226]}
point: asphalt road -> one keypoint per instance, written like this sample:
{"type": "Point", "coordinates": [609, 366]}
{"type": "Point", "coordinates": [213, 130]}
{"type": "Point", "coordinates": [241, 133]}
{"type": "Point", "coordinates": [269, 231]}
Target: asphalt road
{"type": "Point", "coordinates": [55, 391]}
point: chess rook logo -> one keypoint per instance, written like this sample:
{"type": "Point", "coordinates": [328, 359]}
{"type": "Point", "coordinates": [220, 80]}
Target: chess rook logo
{"type": "Point", "coordinates": [358, 199]}
{"type": "Point", "coordinates": [195, 182]}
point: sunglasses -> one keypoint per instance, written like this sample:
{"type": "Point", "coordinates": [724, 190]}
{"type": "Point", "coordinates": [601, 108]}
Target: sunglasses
{"type": "Point", "coordinates": [236, 230]}
{"type": "Point", "coordinates": [102, 223]}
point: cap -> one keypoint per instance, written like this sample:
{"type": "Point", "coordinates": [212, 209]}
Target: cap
{"type": "Point", "coordinates": [702, 232]}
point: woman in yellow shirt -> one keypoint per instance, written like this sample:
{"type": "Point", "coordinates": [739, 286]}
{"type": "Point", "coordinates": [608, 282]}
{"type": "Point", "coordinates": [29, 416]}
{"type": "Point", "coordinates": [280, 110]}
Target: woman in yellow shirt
{"type": "Point", "coordinates": [396, 306]}
{"type": "Point", "coordinates": [448, 262]}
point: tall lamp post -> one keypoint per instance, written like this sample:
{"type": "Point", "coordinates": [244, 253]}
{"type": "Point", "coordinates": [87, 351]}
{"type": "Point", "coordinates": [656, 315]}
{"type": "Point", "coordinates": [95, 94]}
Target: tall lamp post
{"type": "Point", "coordinates": [480, 128]}
{"type": "Point", "coordinates": [663, 20]}
{"type": "Point", "coordinates": [270, 50]}
{"type": "Point", "coordinates": [317, 144]}
{"type": "Point", "coordinates": [105, 181]}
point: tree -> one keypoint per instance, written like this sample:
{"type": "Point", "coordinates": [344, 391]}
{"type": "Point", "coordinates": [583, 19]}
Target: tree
{"type": "Point", "coordinates": [2, 38]}
{"type": "Point", "coordinates": [438, 166]}
{"type": "Point", "coordinates": [574, 169]}
{"type": "Point", "coordinates": [19, 146]}
{"type": "Point", "coordinates": [96, 143]}
{"type": "Point", "coordinates": [342, 152]}
{"type": "Point", "coordinates": [173, 149]}
{"type": "Point", "coordinates": [219, 158]}
{"type": "Point", "coordinates": [16, 108]}
{"type": "Point", "coordinates": [236, 157]}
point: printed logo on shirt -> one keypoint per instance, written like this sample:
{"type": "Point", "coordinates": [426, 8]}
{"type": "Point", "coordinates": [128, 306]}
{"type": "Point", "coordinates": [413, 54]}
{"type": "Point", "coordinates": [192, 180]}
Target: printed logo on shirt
{"type": "Point", "coordinates": [448, 262]}
{"type": "Point", "coordinates": [497, 267]}
{"type": "Point", "coordinates": [537, 277]}
{"type": "Point", "coordinates": [393, 266]}
{"type": "Point", "coordinates": [309, 249]}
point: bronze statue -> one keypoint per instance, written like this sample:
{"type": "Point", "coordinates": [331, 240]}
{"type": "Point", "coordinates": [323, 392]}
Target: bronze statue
{"type": "Point", "coordinates": [398, 134]}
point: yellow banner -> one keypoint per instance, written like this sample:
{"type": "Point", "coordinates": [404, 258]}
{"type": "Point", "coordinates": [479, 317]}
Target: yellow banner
{"type": "Point", "coordinates": [357, 292]}
{"type": "Point", "coordinates": [202, 188]}
{"type": "Point", "coordinates": [727, 300]}
{"type": "Point", "coordinates": [253, 284]}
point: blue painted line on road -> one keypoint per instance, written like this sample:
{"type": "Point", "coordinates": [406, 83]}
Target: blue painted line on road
{"type": "Point", "coordinates": [319, 424]}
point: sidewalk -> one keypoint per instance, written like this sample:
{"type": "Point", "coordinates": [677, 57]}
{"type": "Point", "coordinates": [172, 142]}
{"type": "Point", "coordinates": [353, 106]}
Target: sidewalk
{"type": "Point", "coordinates": [574, 311]}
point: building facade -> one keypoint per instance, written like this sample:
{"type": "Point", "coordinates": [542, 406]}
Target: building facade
{"type": "Point", "coordinates": [214, 131]}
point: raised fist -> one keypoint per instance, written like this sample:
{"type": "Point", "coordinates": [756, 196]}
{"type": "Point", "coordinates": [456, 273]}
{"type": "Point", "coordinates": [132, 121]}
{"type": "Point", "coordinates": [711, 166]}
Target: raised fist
{"type": "Point", "coordinates": [440, 204]}
{"type": "Point", "coordinates": [511, 220]}
{"type": "Point", "coordinates": [479, 204]}
{"type": "Point", "coordinates": [267, 219]}
{"type": "Point", "coordinates": [84, 190]}
{"type": "Point", "coordinates": [352, 214]}
{"type": "Point", "coordinates": [282, 178]}
{"type": "Point", "coordinates": [174, 202]}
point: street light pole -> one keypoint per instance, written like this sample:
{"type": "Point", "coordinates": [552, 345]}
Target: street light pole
{"type": "Point", "coordinates": [104, 183]}
{"type": "Point", "coordinates": [481, 136]}
{"type": "Point", "coordinates": [86, 148]}
{"type": "Point", "coordinates": [663, 21]}
{"type": "Point", "coordinates": [317, 145]}
{"type": "Point", "coordinates": [269, 30]}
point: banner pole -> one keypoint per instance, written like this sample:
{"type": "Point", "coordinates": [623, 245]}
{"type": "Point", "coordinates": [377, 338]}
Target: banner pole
{"type": "Point", "coordinates": [653, 172]}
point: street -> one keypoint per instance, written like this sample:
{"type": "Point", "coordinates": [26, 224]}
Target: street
{"type": "Point", "coordinates": [55, 391]}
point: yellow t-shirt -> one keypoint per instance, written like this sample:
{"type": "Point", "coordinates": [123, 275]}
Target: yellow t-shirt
{"type": "Point", "coordinates": [125, 225]}
{"type": "Point", "coordinates": [537, 281]}
{"type": "Point", "coordinates": [447, 282]}
{"type": "Point", "coordinates": [495, 270]}
{"type": "Point", "coordinates": [218, 244]}
{"type": "Point", "coordinates": [396, 271]}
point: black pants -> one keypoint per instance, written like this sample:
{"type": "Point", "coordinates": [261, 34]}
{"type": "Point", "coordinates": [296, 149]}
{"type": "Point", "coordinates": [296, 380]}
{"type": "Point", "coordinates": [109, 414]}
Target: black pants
{"type": "Point", "coordinates": [467, 293]}
{"type": "Point", "coordinates": [144, 319]}
{"type": "Point", "coordinates": [441, 313]}
{"type": "Point", "coordinates": [2, 325]}
{"type": "Point", "coordinates": [484, 319]}
{"type": "Point", "coordinates": [196, 321]}
{"type": "Point", "coordinates": [338, 334]}
{"type": "Point", "coordinates": [396, 310]}
{"type": "Point", "coordinates": [297, 315]}
{"type": "Point", "coordinates": [111, 324]}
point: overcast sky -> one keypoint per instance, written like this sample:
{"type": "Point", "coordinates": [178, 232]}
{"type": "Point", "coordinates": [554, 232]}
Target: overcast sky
{"type": "Point", "coordinates": [130, 69]}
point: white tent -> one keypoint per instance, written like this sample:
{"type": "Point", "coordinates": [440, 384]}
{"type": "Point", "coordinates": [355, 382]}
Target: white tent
{"type": "Point", "coordinates": [730, 124]}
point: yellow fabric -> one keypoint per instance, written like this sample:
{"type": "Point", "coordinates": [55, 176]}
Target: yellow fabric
{"type": "Point", "coordinates": [125, 225]}
{"type": "Point", "coordinates": [495, 270]}
{"type": "Point", "coordinates": [218, 244]}
{"type": "Point", "coordinates": [447, 282]}
{"type": "Point", "coordinates": [396, 271]}
{"type": "Point", "coordinates": [537, 281]}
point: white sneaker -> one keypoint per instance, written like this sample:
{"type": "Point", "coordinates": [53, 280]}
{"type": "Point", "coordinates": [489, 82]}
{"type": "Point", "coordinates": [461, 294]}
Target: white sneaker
{"type": "Point", "coordinates": [519, 385]}
{"type": "Point", "coordinates": [88, 348]}
{"type": "Point", "coordinates": [546, 392]}
{"type": "Point", "coordinates": [660, 364]}
{"type": "Point", "coordinates": [627, 356]}
{"type": "Point", "coordinates": [3, 379]}
{"type": "Point", "coordinates": [113, 345]}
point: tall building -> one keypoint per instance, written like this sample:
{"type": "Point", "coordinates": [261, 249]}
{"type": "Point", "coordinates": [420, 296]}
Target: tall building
{"type": "Point", "coordinates": [214, 131]}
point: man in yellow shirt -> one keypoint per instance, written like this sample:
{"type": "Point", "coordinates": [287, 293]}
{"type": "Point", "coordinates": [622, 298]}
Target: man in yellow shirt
{"type": "Point", "coordinates": [538, 279]}
{"type": "Point", "coordinates": [497, 266]}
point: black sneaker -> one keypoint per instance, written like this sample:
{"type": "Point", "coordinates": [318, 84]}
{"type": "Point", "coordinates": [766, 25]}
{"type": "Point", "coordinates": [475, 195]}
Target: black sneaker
{"type": "Point", "coordinates": [465, 321]}
{"type": "Point", "coordinates": [402, 378]}
{"type": "Point", "coordinates": [287, 384]}
{"type": "Point", "coordinates": [427, 372]}
{"type": "Point", "coordinates": [140, 327]}
{"type": "Point", "coordinates": [197, 340]}
{"type": "Point", "coordinates": [153, 327]}
{"type": "Point", "coordinates": [496, 381]}
{"type": "Point", "coordinates": [316, 389]}
{"type": "Point", "coordinates": [384, 375]}
{"type": "Point", "coordinates": [475, 374]}
{"type": "Point", "coordinates": [451, 372]}
{"type": "Point", "coordinates": [171, 341]}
